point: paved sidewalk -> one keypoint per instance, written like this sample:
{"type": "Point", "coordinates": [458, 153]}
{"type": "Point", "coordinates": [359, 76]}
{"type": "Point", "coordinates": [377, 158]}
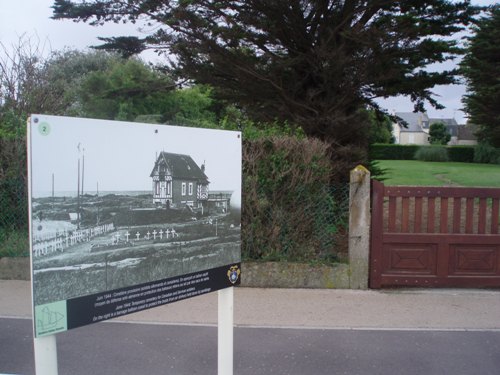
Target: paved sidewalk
{"type": "Point", "coordinates": [444, 309]}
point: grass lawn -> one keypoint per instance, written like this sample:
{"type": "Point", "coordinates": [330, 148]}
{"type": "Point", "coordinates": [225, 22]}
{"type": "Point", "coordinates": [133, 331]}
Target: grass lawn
{"type": "Point", "coordinates": [423, 173]}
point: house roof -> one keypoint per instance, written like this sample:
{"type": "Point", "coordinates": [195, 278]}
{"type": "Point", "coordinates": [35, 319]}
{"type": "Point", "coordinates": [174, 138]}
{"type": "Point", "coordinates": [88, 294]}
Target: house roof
{"type": "Point", "coordinates": [466, 133]}
{"type": "Point", "coordinates": [446, 121]}
{"type": "Point", "coordinates": [414, 121]}
{"type": "Point", "coordinates": [418, 121]}
{"type": "Point", "coordinates": [182, 166]}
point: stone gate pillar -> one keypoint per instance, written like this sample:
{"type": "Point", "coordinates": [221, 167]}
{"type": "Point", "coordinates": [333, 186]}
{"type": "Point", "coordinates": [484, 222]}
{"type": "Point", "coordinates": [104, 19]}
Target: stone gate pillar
{"type": "Point", "coordinates": [359, 227]}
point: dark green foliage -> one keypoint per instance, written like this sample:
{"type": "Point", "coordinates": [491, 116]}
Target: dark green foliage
{"type": "Point", "coordinates": [431, 153]}
{"type": "Point", "coordinates": [317, 65]}
{"type": "Point", "coordinates": [13, 198]}
{"type": "Point", "coordinates": [376, 171]}
{"type": "Point", "coordinates": [68, 70]}
{"type": "Point", "coordinates": [13, 203]}
{"type": "Point", "coordinates": [13, 186]}
{"type": "Point", "coordinates": [381, 129]}
{"type": "Point", "coordinates": [481, 68]}
{"type": "Point", "coordinates": [439, 134]}
{"type": "Point", "coordinates": [484, 153]}
{"type": "Point", "coordinates": [462, 154]}
{"type": "Point", "coordinates": [127, 46]}
{"type": "Point", "coordinates": [124, 90]}
{"type": "Point", "coordinates": [393, 152]}
{"type": "Point", "coordinates": [290, 212]}
{"type": "Point", "coordinates": [23, 90]}
{"type": "Point", "coordinates": [14, 243]}
{"type": "Point", "coordinates": [191, 106]}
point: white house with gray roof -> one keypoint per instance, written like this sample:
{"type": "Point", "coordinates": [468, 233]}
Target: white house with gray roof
{"type": "Point", "coordinates": [413, 128]}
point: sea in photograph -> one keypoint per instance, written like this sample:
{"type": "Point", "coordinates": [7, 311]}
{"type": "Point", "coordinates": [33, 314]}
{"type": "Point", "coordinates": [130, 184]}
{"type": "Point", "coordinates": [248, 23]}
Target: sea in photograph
{"type": "Point", "coordinates": [74, 194]}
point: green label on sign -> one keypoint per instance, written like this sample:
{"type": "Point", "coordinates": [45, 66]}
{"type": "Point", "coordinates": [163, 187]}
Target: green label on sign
{"type": "Point", "coordinates": [50, 318]}
{"type": "Point", "coordinates": [44, 128]}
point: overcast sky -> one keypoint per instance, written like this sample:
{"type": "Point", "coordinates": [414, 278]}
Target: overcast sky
{"type": "Point", "coordinates": [32, 18]}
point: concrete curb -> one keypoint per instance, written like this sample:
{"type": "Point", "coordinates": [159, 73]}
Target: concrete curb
{"type": "Point", "coordinates": [255, 274]}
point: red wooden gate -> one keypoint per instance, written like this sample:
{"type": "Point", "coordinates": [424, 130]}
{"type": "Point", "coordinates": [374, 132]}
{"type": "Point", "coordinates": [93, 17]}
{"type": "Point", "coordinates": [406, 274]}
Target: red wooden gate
{"type": "Point", "coordinates": [434, 237]}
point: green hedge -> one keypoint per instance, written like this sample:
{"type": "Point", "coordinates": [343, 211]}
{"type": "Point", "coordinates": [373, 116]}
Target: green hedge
{"type": "Point", "coordinates": [379, 151]}
{"type": "Point", "coordinates": [486, 154]}
{"type": "Point", "coordinates": [462, 154]}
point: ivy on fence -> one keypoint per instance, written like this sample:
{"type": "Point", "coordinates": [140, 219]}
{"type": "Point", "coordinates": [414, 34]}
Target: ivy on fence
{"type": "Point", "coordinates": [290, 210]}
{"type": "Point", "coordinates": [313, 228]}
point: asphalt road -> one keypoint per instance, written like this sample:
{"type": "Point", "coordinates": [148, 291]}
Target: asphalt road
{"type": "Point", "coordinates": [130, 348]}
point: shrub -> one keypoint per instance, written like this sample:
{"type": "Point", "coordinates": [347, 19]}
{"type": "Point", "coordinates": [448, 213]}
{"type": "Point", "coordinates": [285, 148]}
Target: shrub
{"type": "Point", "coordinates": [14, 243]}
{"type": "Point", "coordinates": [463, 154]}
{"type": "Point", "coordinates": [484, 153]}
{"type": "Point", "coordinates": [379, 151]}
{"type": "Point", "coordinates": [13, 197]}
{"type": "Point", "coordinates": [439, 134]}
{"type": "Point", "coordinates": [431, 153]}
{"type": "Point", "coordinates": [290, 212]}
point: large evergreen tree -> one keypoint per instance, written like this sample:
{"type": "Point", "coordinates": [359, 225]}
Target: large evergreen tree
{"type": "Point", "coordinates": [481, 67]}
{"type": "Point", "coordinates": [316, 64]}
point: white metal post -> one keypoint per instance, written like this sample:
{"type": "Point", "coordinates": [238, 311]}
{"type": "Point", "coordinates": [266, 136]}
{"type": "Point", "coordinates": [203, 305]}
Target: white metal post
{"type": "Point", "coordinates": [225, 331]}
{"type": "Point", "coordinates": [45, 355]}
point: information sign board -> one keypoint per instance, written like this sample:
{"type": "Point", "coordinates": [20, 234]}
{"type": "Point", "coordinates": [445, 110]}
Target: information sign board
{"type": "Point", "coordinates": [128, 216]}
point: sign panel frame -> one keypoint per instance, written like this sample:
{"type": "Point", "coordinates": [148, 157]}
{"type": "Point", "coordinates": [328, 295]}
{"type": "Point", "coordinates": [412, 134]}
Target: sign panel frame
{"type": "Point", "coordinates": [128, 216]}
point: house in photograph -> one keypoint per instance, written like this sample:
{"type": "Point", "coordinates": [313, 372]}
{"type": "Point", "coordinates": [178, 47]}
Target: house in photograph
{"type": "Point", "coordinates": [413, 128]}
{"type": "Point", "coordinates": [220, 201]}
{"type": "Point", "coordinates": [179, 182]}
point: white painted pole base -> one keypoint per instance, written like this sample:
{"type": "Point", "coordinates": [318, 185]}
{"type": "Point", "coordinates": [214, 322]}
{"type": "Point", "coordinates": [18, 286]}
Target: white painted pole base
{"type": "Point", "coordinates": [45, 355]}
{"type": "Point", "coordinates": [225, 332]}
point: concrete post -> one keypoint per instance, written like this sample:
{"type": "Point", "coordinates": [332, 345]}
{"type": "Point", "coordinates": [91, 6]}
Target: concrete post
{"type": "Point", "coordinates": [359, 227]}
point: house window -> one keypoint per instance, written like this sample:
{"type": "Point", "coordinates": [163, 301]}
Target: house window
{"type": "Point", "coordinates": [169, 188]}
{"type": "Point", "coordinates": [157, 188]}
{"type": "Point", "coordinates": [183, 189]}
{"type": "Point", "coordinates": [190, 188]}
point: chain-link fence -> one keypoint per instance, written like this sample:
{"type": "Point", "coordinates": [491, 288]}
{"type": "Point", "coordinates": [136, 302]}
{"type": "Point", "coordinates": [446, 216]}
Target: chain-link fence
{"type": "Point", "coordinates": [309, 227]}
{"type": "Point", "coordinates": [280, 221]}
{"type": "Point", "coordinates": [14, 235]}
{"type": "Point", "coordinates": [14, 239]}
{"type": "Point", "coordinates": [315, 228]}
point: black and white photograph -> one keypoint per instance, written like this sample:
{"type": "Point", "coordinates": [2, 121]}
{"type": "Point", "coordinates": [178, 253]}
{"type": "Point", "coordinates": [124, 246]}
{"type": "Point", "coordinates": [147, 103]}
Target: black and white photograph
{"type": "Point", "coordinates": [116, 204]}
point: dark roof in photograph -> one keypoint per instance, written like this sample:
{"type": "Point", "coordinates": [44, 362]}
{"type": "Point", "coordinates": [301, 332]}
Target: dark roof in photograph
{"type": "Point", "coordinates": [182, 166]}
